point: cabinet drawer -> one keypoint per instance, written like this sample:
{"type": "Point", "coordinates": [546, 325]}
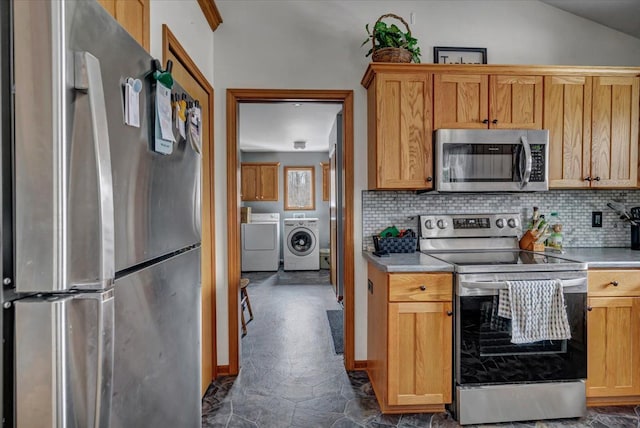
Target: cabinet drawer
{"type": "Point", "coordinates": [603, 282]}
{"type": "Point", "coordinates": [420, 287]}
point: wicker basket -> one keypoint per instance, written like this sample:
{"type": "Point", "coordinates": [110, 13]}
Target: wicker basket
{"type": "Point", "coordinates": [390, 54]}
{"type": "Point", "coordinates": [405, 244]}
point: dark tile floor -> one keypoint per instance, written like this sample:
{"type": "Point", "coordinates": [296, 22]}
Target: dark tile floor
{"type": "Point", "coordinates": [291, 377]}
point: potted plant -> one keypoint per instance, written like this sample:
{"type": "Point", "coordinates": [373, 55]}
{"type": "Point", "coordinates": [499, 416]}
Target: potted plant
{"type": "Point", "coordinates": [390, 43]}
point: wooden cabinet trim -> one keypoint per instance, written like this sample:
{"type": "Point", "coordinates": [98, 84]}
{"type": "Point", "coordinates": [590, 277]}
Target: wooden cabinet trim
{"type": "Point", "coordinates": [505, 69]}
{"type": "Point", "coordinates": [211, 13]}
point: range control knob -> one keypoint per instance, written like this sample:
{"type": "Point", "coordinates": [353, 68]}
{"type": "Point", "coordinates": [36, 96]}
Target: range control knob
{"type": "Point", "coordinates": [442, 224]}
{"type": "Point", "coordinates": [500, 223]}
{"type": "Point", "coordinates": [428, 224]}
{"type": "Point", "coordinates": [512, 222]}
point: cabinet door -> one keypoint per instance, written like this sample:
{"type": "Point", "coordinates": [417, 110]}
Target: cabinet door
{"type": "Point", "coordinates": [461, 101]}
{"type": "Point", "coordinates": [133, 15]}
{"type": "Point", "coordinates": [326, 182]}
{"type": "Point", "coordinates": [249, 176]}
{"type": "Point", "coordinates": [613, 338]}
{"type": "Point", "coordinates": [419, 353]}
{"type": "Point", "coordinates": [614, 135]}
{"type": "Point", "coordinates": [403, 128]}
{"type": "Point", "coordinates": [567, 116]}
{"type": "Point", "coordinates": [268, 182]}
{"type": "Point", "coordinates": [515, 102]}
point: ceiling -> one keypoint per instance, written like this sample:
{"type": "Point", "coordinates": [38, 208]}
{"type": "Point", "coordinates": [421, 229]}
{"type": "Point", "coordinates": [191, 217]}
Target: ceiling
{"type": "Point", "coordinates": [273, 127]}
{"type": "Point", "coordinates": [621, 15]}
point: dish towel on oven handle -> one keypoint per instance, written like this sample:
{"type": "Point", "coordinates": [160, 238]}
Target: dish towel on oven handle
{"type": "Point", "coordinates": [537, 311]}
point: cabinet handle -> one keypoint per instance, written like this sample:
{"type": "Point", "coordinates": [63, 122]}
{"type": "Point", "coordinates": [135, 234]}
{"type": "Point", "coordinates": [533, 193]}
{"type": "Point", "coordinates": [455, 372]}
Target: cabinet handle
{"type": "Point", "coordinates": [587, 179]}
{"type": "Point", "coordinates": [589, 308]}
{"type": "Point", "coordinates": [449, 313]}
{"type": "Point", "coordinates": [485, 121]}
{"type": "Point", "coordinates": [429, 179]}
{"type": "Point", "coordinates": [494, 121]}
{"type": "Point", "coordinates": [597, 178]}
{"type": "Point", "coordinates": [614, 283]}
{"type": "Point", "coordinates": [423, 288]}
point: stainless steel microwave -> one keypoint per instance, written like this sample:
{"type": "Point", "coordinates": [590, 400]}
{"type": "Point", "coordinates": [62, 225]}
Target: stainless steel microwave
{"type": "Point", "coordinates": [491, 160]}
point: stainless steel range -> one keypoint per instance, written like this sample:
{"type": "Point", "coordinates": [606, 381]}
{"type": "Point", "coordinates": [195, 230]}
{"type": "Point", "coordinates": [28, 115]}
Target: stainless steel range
{"type": "Point", "coordinates": [496, 380]}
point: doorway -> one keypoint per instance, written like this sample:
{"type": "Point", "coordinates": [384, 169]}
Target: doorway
{"type": "Point", "coordinates": [234, 98]}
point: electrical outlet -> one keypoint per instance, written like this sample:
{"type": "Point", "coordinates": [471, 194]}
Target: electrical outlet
{"type": "Point", "coordinates": [596, 218]}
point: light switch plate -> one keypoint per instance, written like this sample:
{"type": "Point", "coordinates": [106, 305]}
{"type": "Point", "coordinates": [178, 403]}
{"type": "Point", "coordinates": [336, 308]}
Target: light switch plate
{"type": "Point", "coordinates": [596, 218]}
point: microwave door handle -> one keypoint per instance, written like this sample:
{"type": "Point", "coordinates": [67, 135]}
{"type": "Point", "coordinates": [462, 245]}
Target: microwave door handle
{"type": "Point", "coordinates": [528, 162]}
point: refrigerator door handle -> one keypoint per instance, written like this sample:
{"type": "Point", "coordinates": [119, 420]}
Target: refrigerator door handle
{"type": "Point", "coordinates": [64, 360]}
{"type": "Point", "coordinates": [88, 79]}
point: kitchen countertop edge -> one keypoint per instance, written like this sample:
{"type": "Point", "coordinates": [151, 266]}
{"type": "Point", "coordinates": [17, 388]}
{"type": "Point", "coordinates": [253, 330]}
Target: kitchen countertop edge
{"type": "Point", "coordinates": [595, 258]}
{"type": "Point", "coordinates": [604, 257]}
{"type": "Point", "coordinates": [408, 262]}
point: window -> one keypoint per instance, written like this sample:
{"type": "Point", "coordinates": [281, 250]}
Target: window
{"type": "Point", "coordinates": [299, 188]}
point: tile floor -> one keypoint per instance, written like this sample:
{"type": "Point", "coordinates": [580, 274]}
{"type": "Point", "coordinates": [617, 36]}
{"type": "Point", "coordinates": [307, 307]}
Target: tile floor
{"type": "Point", "coordinates": [291, 376]}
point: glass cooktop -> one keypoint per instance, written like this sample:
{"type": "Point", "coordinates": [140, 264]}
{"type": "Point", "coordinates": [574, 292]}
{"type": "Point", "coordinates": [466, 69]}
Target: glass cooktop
{"type": "Point", "coordinates": [505, 260]}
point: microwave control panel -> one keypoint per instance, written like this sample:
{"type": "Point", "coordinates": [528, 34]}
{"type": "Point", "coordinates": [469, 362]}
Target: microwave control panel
{"type": "Point", "coordinates": [537, 163]}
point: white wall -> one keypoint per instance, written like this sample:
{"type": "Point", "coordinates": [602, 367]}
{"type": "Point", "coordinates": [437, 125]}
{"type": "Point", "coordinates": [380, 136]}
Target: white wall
{"type": "Point", "coordinates": [186, 21]}
{"type": "Point", "coordinates": [316, 44]}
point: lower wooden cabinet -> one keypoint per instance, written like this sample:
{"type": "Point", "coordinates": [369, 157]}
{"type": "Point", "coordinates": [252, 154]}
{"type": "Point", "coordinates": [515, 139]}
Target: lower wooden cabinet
{"type": "Point", "coordinates": [410, 340]}
{"type": "Point", "coordinates": [613, 329]}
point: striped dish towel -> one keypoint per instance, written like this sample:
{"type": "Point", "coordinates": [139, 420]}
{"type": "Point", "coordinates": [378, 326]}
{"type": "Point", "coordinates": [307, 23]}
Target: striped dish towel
{"type": "Point", "coordinates": [537, 311]}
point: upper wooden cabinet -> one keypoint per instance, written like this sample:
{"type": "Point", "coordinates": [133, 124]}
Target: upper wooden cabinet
{"type": "Point", "coordinates": [480, 101]}
{"type": "Point", "coordinates": [399, 131]}
{"type": "Point", "coordinates": [593, 130]}
{"type": "Point", "coordinates": [133, 15]}
{"type": "Point", "coordinates": [326, 180]}
{"type": "Point", "coordinates": [592, 114]}
{"type": "Point", "coordinates": [259, 181]}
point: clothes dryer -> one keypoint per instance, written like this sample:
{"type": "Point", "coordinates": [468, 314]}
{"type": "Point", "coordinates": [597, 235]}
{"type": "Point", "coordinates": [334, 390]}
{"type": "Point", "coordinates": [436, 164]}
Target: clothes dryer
{"type": "Point", "coordinates": [301, 248]}
{"type": "Point", "coordinates": [261, 243]}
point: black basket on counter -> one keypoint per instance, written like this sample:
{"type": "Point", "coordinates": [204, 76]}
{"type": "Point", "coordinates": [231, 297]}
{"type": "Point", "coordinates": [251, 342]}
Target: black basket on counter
{"type": "Point", "coordinates": [405, 244]}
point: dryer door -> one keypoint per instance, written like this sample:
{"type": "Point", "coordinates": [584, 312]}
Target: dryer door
{"type": "Point", "coordinates": [301, 241]}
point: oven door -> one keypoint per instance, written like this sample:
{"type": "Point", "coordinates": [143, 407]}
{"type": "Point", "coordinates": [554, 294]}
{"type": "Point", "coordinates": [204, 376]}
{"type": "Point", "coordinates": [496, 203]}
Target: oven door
{"type": "Point", "coordinates": [484, 353]}
{"type": "Point", "coordinates": [489, 160]}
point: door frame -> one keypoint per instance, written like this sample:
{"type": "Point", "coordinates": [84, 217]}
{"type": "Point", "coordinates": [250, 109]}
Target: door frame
{"type": "Point", "coordinates": [170, 44]}
{"type": "Point", "coordinates": [234, 97]}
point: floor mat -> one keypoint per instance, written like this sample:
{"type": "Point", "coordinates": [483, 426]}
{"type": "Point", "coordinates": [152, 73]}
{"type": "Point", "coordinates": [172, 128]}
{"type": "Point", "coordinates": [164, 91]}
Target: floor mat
{"type": "Point", "coordinates": [336, 321]}
{"type": "Point", "coordinates": [314, 277]}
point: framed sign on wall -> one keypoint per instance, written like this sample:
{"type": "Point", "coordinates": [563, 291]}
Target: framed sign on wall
{"type": "Point", "coordinates": [453, 55]}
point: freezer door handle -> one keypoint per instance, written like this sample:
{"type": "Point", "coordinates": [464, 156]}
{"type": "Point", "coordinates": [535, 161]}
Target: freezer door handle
{"type": "Point", "coordinates": [64, 360]}
{"type": "Point", "coordinates": [88, 79]}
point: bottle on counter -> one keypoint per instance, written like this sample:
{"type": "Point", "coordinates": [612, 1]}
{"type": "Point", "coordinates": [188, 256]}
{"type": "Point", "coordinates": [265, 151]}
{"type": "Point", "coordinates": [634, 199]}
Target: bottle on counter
{"type": "Point", "coordinates": [557, 236]}
{"type": "Point", "coordinates": [534, 218]}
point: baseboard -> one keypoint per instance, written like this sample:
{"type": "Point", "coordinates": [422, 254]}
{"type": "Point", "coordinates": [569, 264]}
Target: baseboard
{"type": "Point", "coordinates": [360, 365]}
{"type": "Point", "coordinates": [223, 370]}
{"type": "Point", "coordinates": [613, 401]}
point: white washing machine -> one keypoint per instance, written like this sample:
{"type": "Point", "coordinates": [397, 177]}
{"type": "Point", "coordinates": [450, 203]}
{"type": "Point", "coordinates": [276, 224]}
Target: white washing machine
{"type": "Point", "coordinates": [301, 248]}
{"type": "Point", "coordinates": [261, 243]}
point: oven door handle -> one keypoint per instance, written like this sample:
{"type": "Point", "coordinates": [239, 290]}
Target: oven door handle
{"type": "Point", "coordinates": [528, 162]}
{"type": "Point", "coordinates": [502, 285]}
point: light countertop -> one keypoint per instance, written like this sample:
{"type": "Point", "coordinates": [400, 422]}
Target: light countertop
{"type": "Point", "coordinates": [408, 262]}
{"type": "Point", "coordinates": [603, 258]}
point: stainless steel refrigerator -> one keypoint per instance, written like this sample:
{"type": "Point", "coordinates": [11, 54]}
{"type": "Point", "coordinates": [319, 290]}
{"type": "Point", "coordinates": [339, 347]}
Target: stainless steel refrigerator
{"type": "Point", "coordinates": [100, 233]}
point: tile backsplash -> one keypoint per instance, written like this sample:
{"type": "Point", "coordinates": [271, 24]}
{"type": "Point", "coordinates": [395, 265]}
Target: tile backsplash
{"type": "Point", "coordinates": [381, 209]}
